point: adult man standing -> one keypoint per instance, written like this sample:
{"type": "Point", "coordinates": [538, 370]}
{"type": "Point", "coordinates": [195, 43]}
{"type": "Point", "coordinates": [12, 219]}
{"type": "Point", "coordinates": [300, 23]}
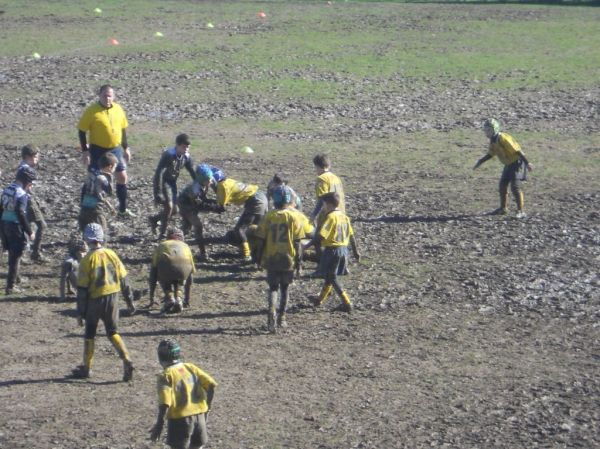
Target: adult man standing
{"type": "Point", "coordinates": [106, 123]}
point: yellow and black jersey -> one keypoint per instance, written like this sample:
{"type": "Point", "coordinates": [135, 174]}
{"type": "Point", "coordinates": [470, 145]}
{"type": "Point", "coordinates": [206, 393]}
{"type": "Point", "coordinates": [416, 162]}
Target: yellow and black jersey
{"type": "Point", "coordinates": [182, 387]}
{"type": "Point", "coordinates": [173, 252]}
{"type": "Point", "coordinates": [105, 125]}
{"type": "Point", "coordinates": [505, 148]}
{"type": "Point", "coordinates": [230, 191]}
{"type": "Point", "coordinates": [328, 182]}
{"type": "Point", "coordinates": [336, 230]}
{"type": "Point", "coordinates": [101, 272]}
{"type": "Point", "coordinates": [279, 230]}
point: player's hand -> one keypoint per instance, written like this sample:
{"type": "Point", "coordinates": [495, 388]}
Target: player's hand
{"type": "Point", "coordinates": [529, 167]}
{"type": "Point", "coordinates": [127, 154]}
{"type": "Point", "coordinates": [155, 432]}
{"type": "Point", "coordinates": [80, 321]}
{"type": "Point", "coordinates": [357, 256]}
{"type": "Point", "coordinates": [32, 237]}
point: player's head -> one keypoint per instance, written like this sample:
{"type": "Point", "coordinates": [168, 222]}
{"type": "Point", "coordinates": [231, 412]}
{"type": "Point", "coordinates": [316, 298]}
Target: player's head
{"type": "Point", "coordinates": [77, 246]}
{"type": "Point", "coordinates": [322, 162]}
{"type": "Point", "coordinates": [204, 174]}
{"type": "Point", "coordinates": [108, 162]}
{"type": "Point", "coordinates": [169, 352]}
{"type": "Point", "coordinates": [93, 233]}
{"type": "Point", "coordinates": [106, 95]}
{"type": "Point", "coordinates": [218, 174]}
{"type": "Point", "coordinates": [25, 175]}
{"type": "Point", "coordinates": [182, 143]}
{"type": "Point", "coordinates": [491, 127]}
{"type": "Point", "coordinates": [331, 200]}
{"type": "Point", "coordinates": [30, 154]}
{"type": "Point", "coordinates": [282, 196]}
{"type": "Point", "coordinates": [174, 233]}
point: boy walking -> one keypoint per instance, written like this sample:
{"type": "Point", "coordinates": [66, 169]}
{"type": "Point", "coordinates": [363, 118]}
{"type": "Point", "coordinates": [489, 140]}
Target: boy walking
{"type": "Point", "coordinates": [29, 158]}
{"type": "Point", "coordinates": [172, 266]}
{"type": "Point", "coordinates": [334, 235]}
{"type": "Point", "coordinates": [515, 163]}
{"type": "Point", "coordinates": [16, 230]}
{"type": "Point", "coordinates": [326, 182]}
{"type": "Point", "coordinates": [95, 192]}
{"type": "Point", "coordinates": [165, 181]}
{"type": "Point", "coordinates": [278, 250]}
{"type": "Point", "coordinates": [185, 395]}
{"type": "Point", "coordinates": [101, 277]}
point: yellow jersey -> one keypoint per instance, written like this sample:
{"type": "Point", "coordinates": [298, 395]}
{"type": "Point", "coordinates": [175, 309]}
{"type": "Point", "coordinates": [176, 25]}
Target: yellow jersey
{"type": "Point", "coordinates": [336, 230]}
{"type": "Point", "coordinates": [182, 387]}
{"type": "Point", "coordinates": [279, 230]}
{"type": "Point", "coordinates": [234, 192]}
{"type": "Point", "coordinates": [304, 221]}
{"type": "Point", "coordinates": [101, 272]}
{"type": "Point", "coordinates": [174, 252]}
{"type": "Point", "coordinates": [105, 125]}
{"type": "Point", "coordinates": [506, 148]}
{"type": "Point", "coordinates": [328, 182]}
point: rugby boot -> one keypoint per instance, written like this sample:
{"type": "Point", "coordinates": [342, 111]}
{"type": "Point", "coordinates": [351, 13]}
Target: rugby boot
{"type": "Point", "coordinates": [325, 292]}
{"type": "Point", "coordinates": [281, 320]}
{"type": "Point", "coordinates": [346, 303]}
{"type": "Point", "coordinates": [245, 249]}
{"type": "Point", "coordinates": [127, 371]}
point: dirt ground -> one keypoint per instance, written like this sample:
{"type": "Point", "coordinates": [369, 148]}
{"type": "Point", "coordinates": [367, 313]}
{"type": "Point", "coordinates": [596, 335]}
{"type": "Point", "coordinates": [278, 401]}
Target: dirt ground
{"type": "Point", "coordinates": [470, 330]}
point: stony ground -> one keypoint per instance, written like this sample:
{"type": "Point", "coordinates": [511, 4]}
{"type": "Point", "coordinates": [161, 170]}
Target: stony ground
{"type": "Point", "coordinates": [470, 330]}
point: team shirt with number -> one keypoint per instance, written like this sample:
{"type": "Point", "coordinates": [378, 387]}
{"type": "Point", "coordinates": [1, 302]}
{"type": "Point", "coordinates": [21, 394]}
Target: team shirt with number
{"type": "Point", "coordinates": [336, 230]}
{"type": "Point", "coordinates": [105, 125]}
{"type": "Point", "coordinates": [280, 229]}
{"type": "Point", "coordinates": [234, 192]}
{"type": "Point", "coordinates": [101, 272]}
{"type": "Point", "coordinates": [506, 148]}
{"type": "Point", "coordinates": [182, 387]}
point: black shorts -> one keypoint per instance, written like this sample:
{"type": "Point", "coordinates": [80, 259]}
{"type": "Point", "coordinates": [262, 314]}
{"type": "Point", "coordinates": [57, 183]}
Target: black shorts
{"type": "Point", "coordinates": [189, 432]}
{"type": "Point", "coordinates": [105, 308]}
{"type": "Point", "coordinates": [276, 278]}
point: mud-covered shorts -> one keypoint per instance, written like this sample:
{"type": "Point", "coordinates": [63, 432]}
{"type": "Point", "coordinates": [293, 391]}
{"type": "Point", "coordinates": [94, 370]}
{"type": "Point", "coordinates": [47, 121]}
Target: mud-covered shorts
{"type": "Point", "coordinates": [189, 432]}
{"type": "Point", "coordinates": [333, 262]}
{"type": "Point", "coordinates": [105, 308]}
{"type": "Point", "coordinates": [89, 215]}
{"type": "Point", "coordinates": [34, 211]}
{"type": "Point", "coordinates": [279, 277]}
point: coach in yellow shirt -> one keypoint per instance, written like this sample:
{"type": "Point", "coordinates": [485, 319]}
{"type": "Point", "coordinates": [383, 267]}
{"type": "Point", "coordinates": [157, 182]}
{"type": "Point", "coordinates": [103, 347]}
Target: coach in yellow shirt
{"type": "Point", "coordinates": [106, 122]}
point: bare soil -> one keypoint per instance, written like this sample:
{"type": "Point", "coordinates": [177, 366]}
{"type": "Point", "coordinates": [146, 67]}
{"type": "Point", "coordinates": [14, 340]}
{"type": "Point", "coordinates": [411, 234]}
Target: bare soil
{"type": "Point", "coordinates": [470, 330]}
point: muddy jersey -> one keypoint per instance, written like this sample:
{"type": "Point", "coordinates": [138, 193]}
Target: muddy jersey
{"type": "Point", "coordinates": [234, 192]}
{"type": "Point", "coordinates": [328, 182]}
{"type": "Point", "coordinates": [336, 230]}
{"type": "Point", "coordinates": [174, 252]}
{"type": "Point", "coordinates": [182, 388]}
{"type": "Point", "coordinates": [301, 218]}
{"type": "Point", "coordinates": [505, 148]}
{"type": "Point", "coordinates": [192, 195]}
{"type": "Point", "coordinates": [105, 125]}
{"type": "Point", "coordinates": [95, 189]}
{"type": "Point", "coordinates": [101, 272]}
{"type": "Point", "coordinates": [169, 166]}
{"type": "Point", "coordinates": [279, 230]}
{"type": "Point", "coordinates": [14, 203]}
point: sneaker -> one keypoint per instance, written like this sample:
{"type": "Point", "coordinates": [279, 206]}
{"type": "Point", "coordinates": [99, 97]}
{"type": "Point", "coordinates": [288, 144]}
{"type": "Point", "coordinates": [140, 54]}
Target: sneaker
{"type": "Point", "coordinates": [81, 372]}
{"type": "Point", "coordinates": [13, 290]}
{"type": "Point", "coordinates": [177, 306]}
{"type": "Point", "coordinates": [126, 214]}
{"type": "Point", "coordinates": [127, 371]}
{"type": "Point", "coordinates": [281, 321]}
{"type": "Point", "coordinates": [499, 211]}
{"type": "Point", "coordinates": [37, 257]}
{"type": "Point", "coordinates": [521, 214]}
{"type": "Point", "coordinates": [247, 259]}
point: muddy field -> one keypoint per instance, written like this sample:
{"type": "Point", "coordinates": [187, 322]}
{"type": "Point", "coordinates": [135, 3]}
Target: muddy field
{"type": "Point", "coordinates": [470, 330]}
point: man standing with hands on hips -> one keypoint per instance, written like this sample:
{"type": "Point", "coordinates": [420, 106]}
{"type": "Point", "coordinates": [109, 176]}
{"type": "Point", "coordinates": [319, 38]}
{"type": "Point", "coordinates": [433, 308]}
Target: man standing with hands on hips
{"type": "Point", "coordinates": [106, 123]}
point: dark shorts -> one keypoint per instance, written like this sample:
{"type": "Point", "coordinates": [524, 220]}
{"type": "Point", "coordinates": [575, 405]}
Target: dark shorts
{"type": "Point", "coordinates": [14, 238]}
{"type": "Point", "coordinates": [169, 190]}
{"type": "Point", "coordinates": [513, 174]}
{"type": "Point", "coordinates": [105, 308]}
{"type": "Point", "coordinates": [189, 432]}
{"type": "Point", "coordinates": [333, 262]}
{"type": "Point", "coordinates": [89, 215]}
{"type": "Point", "coordinates": [96, 153]}
{"type": "Point", "coordinates": [255, 209]}
{"type": "Point", "coordinates": [279, 277]}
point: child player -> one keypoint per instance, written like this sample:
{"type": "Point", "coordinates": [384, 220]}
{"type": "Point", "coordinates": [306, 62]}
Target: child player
{"type": "Point", "coordinates": [515, 165]}
{"type": "Point", "coordinates": [334, 235]}
{"type": "Point", "coordinates": [326, 182]}
{"type": "Point", "coordinates": [30, 156]}
{"type": "Point", "coordinates": [15, 226]}
{"type": "Point", "coordinates": [165, 181]}
{"type": "Point", "coordinates": [185, 395]}
{"type": "Point", "coordinates": [230, 191]}
{"type": "Point", "coordinates": [70, 266]}
{"type": "Point", "coordinates": [279, 235]}
{"type": "Point", "coordinates": [95, 192]}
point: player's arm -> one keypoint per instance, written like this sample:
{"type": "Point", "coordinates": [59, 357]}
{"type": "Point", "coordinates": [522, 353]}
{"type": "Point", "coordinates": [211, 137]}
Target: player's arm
{"type": "Point", "coordinates": [158, 178]}
{"type": "Point", "coordinates": [354, 247]}
{"type": "Point", "coordinates": [152, 280]}
{"type": "Point", "coordinates": [22, 217]}
{"type": "Point", "coordinates": [527, 164]}
{"type": "Point", "coordinates": [317, 209]}
{"type": "Point", "coordinates": [485, 158]}
{"type": "Point", "coordinates": [83, 141]}
{"type": "Point", "coordinates": [65, 269]}
{"type": "Point", "coordinates": [160, 422]}
{"type": "Point", "coordinates": [127, 294]}
{"type": "Point", "coordinates": [189, 166]}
